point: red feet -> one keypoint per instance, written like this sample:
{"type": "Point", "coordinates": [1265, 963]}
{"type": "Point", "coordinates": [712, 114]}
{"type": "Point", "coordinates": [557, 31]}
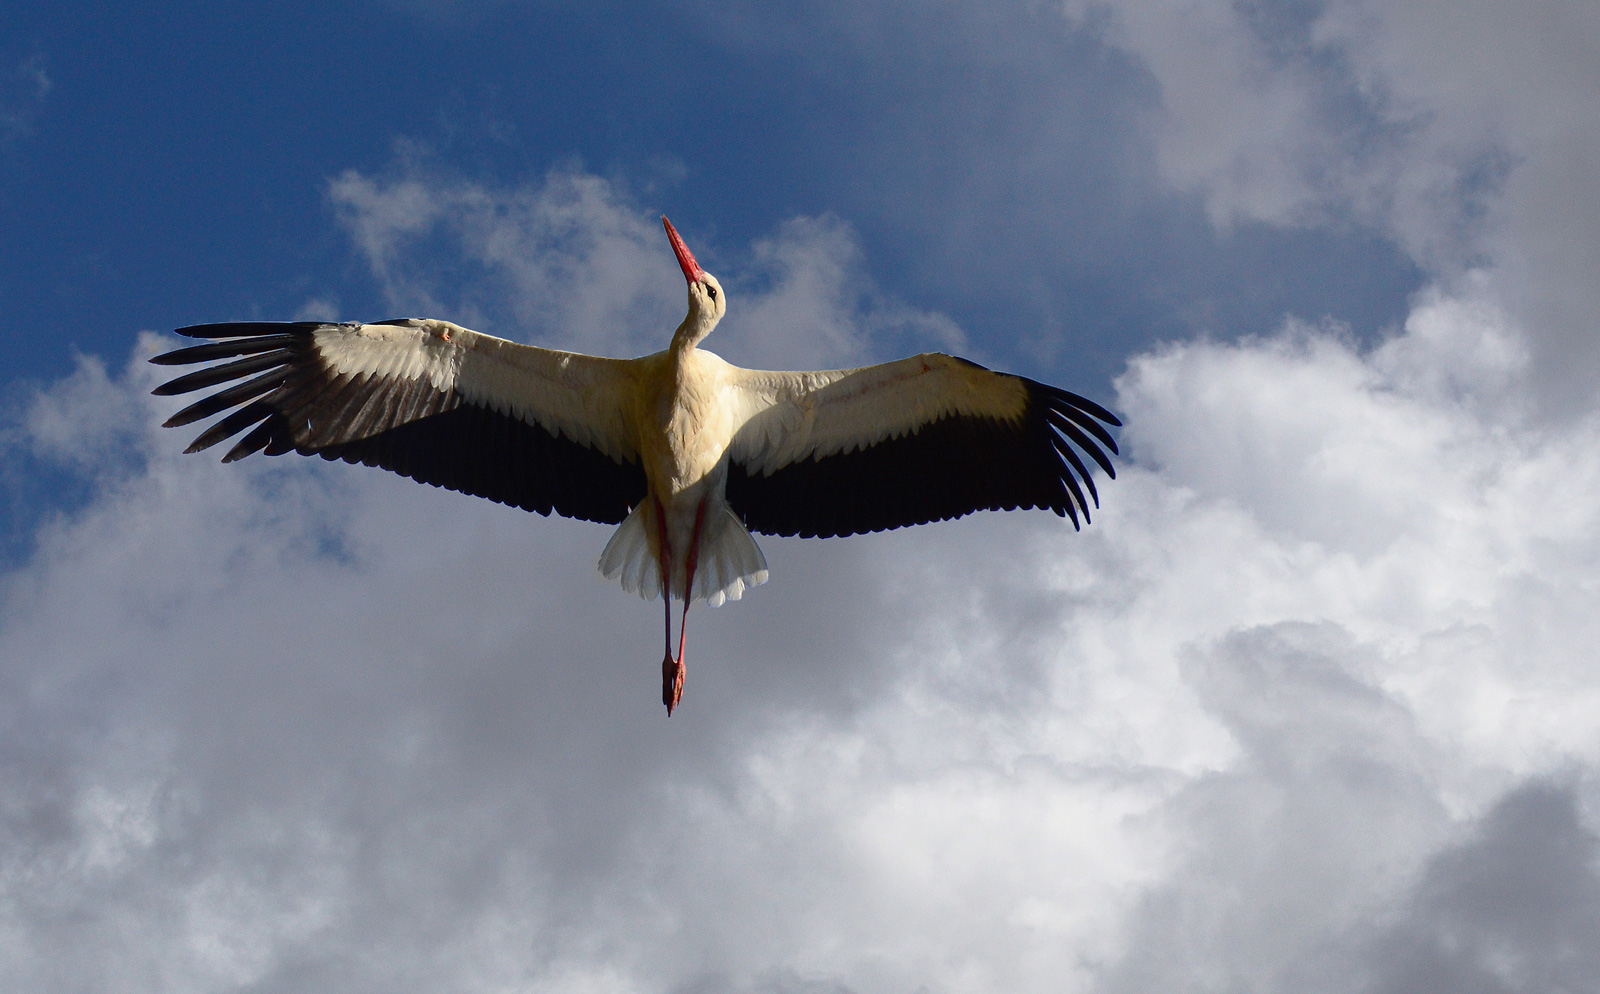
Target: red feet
{"type": "Point", "coordinates": [672, 671]}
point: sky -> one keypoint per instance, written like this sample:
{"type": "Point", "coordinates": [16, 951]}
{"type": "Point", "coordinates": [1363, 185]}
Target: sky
{"type": "Point", "coordinates": [1311, 706]}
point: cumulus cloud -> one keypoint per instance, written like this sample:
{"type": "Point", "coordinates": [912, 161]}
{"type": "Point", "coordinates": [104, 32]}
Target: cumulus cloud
{"type": "Point", "coordinates": [1313, 688]}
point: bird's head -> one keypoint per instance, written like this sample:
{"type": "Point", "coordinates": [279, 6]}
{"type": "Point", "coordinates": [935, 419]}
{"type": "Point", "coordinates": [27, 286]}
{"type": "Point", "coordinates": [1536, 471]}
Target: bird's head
{"type": "Point", "coordinates": [707, 303]}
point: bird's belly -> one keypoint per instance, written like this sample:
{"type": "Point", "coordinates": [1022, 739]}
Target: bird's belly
{"type": "Point", "coordinates": [689, 456]}
{"type": "Point", "coordinates": [687, 480]}
{"type": "Point", "coordinates": [682, 490]}
{"type": "Point", "coordinates": [687, 428]}
{"type": "Point", "coordinates": [685, 509]}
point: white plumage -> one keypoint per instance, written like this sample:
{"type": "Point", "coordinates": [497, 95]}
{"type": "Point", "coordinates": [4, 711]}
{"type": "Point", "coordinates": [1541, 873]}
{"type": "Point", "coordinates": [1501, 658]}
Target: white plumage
{"type": "Point", "coordinates": [686, 453]}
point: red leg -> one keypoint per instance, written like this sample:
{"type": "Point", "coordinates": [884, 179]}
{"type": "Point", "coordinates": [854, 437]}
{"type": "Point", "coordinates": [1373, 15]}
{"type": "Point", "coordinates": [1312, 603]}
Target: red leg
{"type": "Point", "coordinates": [671, 679]}
{"type": "Point", "coordinates": [669, 666]}
{"type": "Point", "coordinates": [691, 561]}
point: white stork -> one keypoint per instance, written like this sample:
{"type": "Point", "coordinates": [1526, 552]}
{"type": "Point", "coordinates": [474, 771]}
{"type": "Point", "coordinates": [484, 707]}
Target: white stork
{"type": "Point", "coordinates": [685, 452]}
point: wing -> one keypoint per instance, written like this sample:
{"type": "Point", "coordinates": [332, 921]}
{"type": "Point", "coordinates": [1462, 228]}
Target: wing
{"type": "Point", "coordinates": [923, 439]}
{"type": "Point", "coordinates": [525, 426]}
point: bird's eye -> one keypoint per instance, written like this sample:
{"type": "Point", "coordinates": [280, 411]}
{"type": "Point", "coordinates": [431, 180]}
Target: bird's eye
{"type": "Point", "coordinates": [711, 290]}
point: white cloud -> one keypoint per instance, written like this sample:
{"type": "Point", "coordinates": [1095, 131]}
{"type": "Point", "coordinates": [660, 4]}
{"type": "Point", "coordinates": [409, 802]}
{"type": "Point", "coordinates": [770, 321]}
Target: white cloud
{"type": "Point", "coordinates": [815, 306]}
{"type": "Point", "coordinates": [279, 724]}
{"type": "Point", "coordinates": [1512, 89]}
{"type": "Point", "coordinates": [1467, 132]}
{"type": "Point", "coordinates": [563, 261]}
{"type": "Point", "coordinates": [1236, 123]}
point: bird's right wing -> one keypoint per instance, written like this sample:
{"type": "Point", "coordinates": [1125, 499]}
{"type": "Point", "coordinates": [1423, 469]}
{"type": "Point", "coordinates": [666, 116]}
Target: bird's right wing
{"type": "Point", "coordinates": [922, 439]}
{"type": "Point", "coordinates": [530, 427]}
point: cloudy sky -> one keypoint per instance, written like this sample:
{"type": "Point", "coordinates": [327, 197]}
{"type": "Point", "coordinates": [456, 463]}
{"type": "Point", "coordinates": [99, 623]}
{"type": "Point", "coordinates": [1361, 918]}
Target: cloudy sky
{"type": "Point", "coordinates": [1312, 706]}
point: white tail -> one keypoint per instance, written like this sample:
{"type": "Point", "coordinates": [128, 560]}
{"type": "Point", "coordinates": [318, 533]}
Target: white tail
{"type": "Point", "coordinates": [628, 559]}
{"type": "Point", "coordinates": [729, 558]}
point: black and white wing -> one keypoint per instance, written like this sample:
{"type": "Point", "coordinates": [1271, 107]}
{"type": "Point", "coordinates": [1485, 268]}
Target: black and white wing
{"type": "Point", "coordinates": [525, 426]}
{"type": "Point", "coordinates": [922, 439]}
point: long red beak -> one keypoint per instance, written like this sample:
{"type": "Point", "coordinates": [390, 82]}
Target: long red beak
{"type": "Point", "coordinates": [691, 269]}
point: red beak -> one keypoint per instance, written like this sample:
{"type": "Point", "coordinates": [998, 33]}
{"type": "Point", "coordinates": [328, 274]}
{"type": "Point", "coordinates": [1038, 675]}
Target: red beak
{"type": "Point", "coordinates": [691, 269]}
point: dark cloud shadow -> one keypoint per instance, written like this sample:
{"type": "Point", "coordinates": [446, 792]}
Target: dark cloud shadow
{"type": "Point", "coordinates": [1514, 908]}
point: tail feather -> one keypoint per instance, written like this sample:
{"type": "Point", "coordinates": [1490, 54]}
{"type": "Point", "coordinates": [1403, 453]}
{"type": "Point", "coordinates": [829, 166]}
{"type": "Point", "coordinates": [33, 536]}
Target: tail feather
{"type": "Point", "coordinates": [729, 558]}
{"type": "Point", "coordinates": [628, 559]}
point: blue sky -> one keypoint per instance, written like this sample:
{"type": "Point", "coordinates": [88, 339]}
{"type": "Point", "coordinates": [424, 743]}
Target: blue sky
{"type": "Point", "coordinates": [992, 165]}
{"type": "Point", "coordinates": [1311, 706]}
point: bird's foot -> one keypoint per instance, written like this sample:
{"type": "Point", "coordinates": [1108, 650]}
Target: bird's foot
{"type": "Point", "coordinates": [672, 671]}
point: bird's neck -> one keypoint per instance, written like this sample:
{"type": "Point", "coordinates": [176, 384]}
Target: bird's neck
{"type": "Point", "coordinates": [684, 342]}
{"type": "Point", "coordinates": [694, 328]}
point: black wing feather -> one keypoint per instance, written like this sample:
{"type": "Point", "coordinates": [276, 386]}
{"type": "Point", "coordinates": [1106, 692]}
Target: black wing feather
{"type": "Point", "coordinates": [222, 350]}
{"type": "Point", "coordinates": [297, 404]}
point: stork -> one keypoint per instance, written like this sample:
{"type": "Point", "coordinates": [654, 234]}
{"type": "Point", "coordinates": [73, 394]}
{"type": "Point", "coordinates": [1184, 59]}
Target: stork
{"type": "Point", "coordinates": [685, 453]}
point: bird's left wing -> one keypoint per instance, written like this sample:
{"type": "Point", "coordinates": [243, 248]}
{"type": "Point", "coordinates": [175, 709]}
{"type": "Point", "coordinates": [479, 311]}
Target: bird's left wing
{"type": "Point", "coordinates": [922, 439]}
{"type": "Point", "coordinates": [530, 427]}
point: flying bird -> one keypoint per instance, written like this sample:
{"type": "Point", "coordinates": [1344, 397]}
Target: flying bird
{"type": "Point", "coordinates": [684, 452]}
